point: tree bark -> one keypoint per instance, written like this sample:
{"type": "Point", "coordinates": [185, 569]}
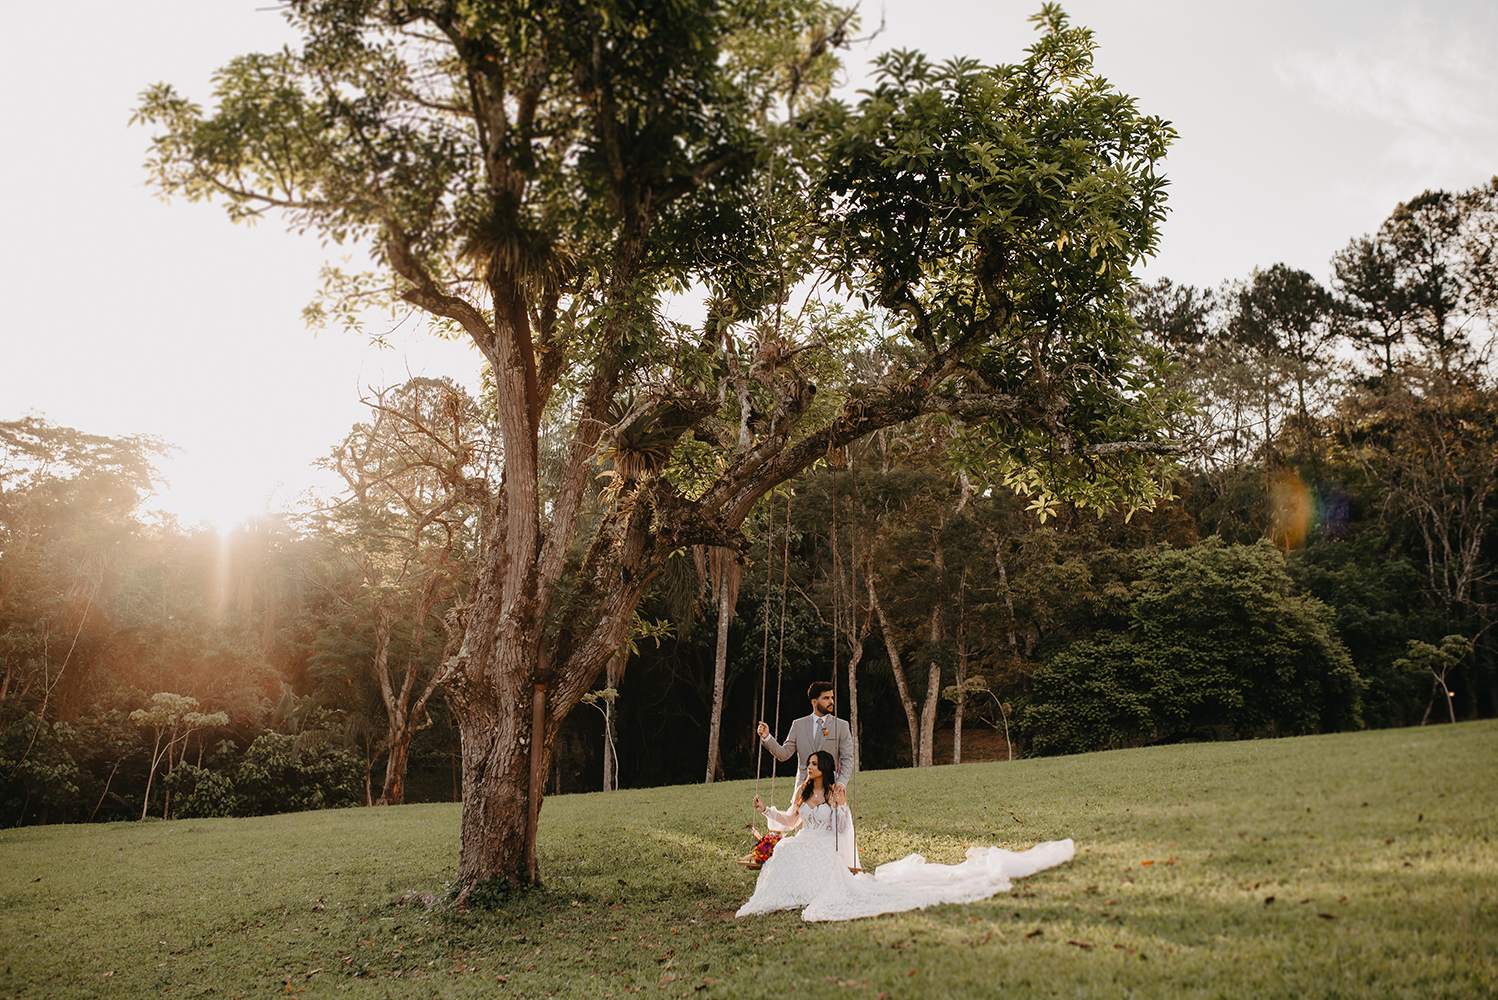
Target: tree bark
{"type": "Point", "coordinates": [892, 648]}
{"type": "Point", "coordinates": [961, 671]}
{"type": "Point", "coordinates": [610, 753]}
{"type": "Point", "coordinates": [496, 784]}
{"type": "Point", "coordinates": [928, 715]}
{"type": "Point", "coordinates": [933, 675]}
{"type": "Point", "coordinates": [725, 574]}
{"type": "Point", "coordinates": [998, 559]}
{"type": "Point", "coordinates": [535, 787]}
{"type": "Point", "coordinates": [853, 661]}
{"type": "Point", "coordinates": [393, 792]}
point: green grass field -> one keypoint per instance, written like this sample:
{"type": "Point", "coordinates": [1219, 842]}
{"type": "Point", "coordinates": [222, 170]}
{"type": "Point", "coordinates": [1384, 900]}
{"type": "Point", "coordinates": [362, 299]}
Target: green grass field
{"type": "Point", "coordinates": [1358, 865]}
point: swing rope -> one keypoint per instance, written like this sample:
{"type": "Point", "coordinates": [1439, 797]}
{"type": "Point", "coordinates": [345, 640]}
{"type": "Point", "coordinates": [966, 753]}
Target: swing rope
{"type": "Point", "coordinates": [838, 612]}
{"type": "Point", "coordinates": [837, 732]}
{"type": "Point", "coordinates": [764, 670]}
{"type": "Point", "coordinates": [764, 673]}
{"type": "Point", "coordinates": [785, 576]}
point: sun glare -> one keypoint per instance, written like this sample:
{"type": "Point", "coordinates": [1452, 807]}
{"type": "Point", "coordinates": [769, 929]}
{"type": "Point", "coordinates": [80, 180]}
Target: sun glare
{"type": "Point", "coordinates": [197, 498]}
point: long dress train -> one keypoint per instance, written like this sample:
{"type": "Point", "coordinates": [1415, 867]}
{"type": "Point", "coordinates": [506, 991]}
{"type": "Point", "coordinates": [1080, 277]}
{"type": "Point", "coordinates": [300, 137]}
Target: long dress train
{"type": "Point", "coordinates": [808, 871]}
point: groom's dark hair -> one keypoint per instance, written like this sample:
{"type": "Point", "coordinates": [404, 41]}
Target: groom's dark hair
{"type": "Point", "coordinates": [817, 688]}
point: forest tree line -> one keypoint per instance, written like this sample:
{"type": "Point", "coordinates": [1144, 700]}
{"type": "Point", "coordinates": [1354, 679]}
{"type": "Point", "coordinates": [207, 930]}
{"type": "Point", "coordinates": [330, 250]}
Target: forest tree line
{"type": "Point", "coordinates": [1323, 564]}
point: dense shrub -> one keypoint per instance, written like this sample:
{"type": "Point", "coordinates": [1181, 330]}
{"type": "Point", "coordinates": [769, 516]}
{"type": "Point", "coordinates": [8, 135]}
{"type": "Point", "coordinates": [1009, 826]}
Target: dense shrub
{"type": "Point", "coordinates": [1374, 591]}
{"type": "Point", "coordinates": [281, 773]}
{"type": "Point", "coordinates": [1216, 643]}
{"type": "Point", "coordinates": [1087, 698]}
{"type": "Point", "coordinates": [39, 774]}
{"type": "Point", "coordinates": [200, 792]}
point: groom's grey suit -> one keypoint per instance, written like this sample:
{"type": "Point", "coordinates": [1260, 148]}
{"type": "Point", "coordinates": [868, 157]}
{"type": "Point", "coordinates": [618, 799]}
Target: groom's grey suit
{"type": "Point", "coordinates": [807, 736]}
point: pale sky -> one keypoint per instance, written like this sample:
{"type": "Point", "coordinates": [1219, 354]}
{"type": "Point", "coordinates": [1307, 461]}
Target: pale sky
{"type": "Point", "coordinates": [1302, 125]}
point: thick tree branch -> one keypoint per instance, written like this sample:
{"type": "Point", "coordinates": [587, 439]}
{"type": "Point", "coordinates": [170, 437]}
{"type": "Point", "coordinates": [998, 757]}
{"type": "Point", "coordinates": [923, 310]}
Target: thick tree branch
{"type": "Point", "coordinates": [427, 294]}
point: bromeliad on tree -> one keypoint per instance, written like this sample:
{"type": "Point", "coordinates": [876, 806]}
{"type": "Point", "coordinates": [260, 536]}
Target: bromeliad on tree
{"type": "Point", "coordinates": [537, 176]}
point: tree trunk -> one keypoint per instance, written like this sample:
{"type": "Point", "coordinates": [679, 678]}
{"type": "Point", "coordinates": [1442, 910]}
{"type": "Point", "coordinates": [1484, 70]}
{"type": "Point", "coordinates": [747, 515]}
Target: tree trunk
{"type": "Point", "coordinates": [892, 647]}
{"type": "Point", "coordinates": [857, 637]}
{"type": "Point", "coordinates": [957, 711]}
{"type": "Point", "coordinates": [610, 754]}
{"type": "Point", "coordinates": [961, 671]}
{"type": "Point", "coordinates": [850, 588]}
{"type": "Point", "coordinates": [151, 774]}
{"type": "Point", "coordinates": [400, 714]}
{"type": "Point", "coordinates": [928, 715]}
{"type": "Point", "coordinates": [933, 676]}
{"type": "Point", "coordinates": [725, 574]}
{"type": "Point", "coordinates": [490, 680]}
{"type": "Point", "coordinates": [536, 787]}
{"type": "Point", "coordinates": [369, 799]}
{"type": "Point", "coordinates": [998, 559]}
{"type": "Point", "coordinates": [608, 746]}
{"type": "Point", "coordinates": [496, 738]}
{"type": "Point", "coordinates": [394, 791]}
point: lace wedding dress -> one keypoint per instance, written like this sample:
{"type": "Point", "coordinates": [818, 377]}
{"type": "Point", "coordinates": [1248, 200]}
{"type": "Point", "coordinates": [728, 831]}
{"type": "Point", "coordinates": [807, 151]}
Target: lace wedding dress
{"type": "Point", "coordinates": [810, 871]}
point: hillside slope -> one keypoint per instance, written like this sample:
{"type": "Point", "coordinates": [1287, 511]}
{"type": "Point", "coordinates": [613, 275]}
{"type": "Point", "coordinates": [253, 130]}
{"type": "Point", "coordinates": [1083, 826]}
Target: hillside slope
{"type": "Point", "coordinates": [1351, 865]}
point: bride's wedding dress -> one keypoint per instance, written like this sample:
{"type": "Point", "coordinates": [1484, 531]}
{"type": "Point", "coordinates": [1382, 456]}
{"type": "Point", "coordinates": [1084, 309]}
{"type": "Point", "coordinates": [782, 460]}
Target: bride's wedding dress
{"type": "Point", "coordinates": [810, 870]}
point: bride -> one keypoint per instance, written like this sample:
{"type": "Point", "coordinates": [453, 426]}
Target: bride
{"type": "Point", "coordinates": [811, 869]}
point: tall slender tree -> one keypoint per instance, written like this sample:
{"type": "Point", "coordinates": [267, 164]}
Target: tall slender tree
{"type": "Point", "coordinates": [721, 568]}
{"type": "Point", "coordinates": [1284, 315]}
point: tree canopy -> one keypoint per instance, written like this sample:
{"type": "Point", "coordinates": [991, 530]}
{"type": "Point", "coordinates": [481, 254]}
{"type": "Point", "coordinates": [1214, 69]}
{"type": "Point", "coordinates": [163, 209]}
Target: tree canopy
{"type": "Point", "coordinates": [536, 176]}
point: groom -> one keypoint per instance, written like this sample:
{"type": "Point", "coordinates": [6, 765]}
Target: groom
{"type": "Point", "coordinates": [821, 730]}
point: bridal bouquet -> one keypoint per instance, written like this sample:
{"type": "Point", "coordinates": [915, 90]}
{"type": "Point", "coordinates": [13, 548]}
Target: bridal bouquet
{"type": "Point", "coordinates": [764, 848]}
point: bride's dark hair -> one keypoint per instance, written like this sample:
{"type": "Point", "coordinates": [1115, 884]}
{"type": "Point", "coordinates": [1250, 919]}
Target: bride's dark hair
{"type": "Point", "coordinates": [828, 767]}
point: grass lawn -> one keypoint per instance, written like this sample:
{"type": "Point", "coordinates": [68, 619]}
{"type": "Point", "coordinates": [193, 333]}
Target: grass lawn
{"type": "Point", "coordinates": [1356, 865]}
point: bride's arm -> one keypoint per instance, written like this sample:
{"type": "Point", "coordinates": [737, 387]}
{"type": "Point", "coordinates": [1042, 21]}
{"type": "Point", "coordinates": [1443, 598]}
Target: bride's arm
{"type": "Point", "coordinates": [782, 822]}
{"type": "Point", "coordinates": [777, 821]}
{"type": "Point", "coordinates": [844, 818]}
{"type": "Point", "coordinates": [841, 812]}
{"type": "Point", "coordinates": [787, 821]}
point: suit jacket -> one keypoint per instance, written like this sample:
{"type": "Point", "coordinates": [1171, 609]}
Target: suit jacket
{"type": "Point", "coordinates": [806, 738]}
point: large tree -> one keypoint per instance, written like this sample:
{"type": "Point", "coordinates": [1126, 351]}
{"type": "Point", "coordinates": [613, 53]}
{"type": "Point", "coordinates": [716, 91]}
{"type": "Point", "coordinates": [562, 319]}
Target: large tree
{"type": "Point", "coordinates": [535, 175]}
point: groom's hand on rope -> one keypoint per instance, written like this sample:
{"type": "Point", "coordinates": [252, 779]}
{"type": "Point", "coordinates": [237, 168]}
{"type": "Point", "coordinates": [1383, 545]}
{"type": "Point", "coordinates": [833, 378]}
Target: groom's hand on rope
{"type": "Point", "coordinates": [839, 795]}
{"type": "Point", "coordinates": [838, 788]}
{"type": "Point", "coordinates": [763, 730]}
